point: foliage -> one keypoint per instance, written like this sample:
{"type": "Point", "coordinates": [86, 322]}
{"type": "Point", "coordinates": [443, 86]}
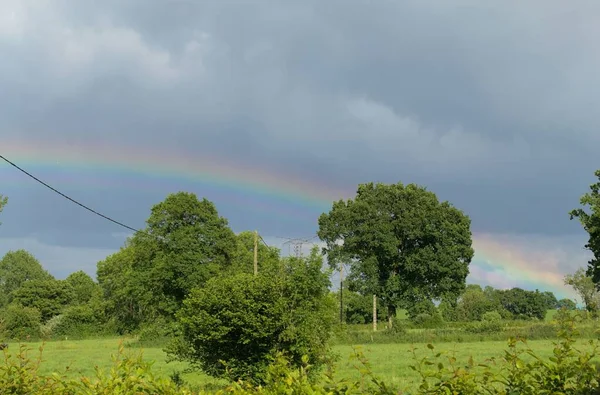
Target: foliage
{"type": "Point", "coordinates": [126, 304]}
{"type": "Point", "coordinates": [567, 304]}
{"type": "Point", "coordinates": [20, 322]}
{"type": "Point", "coordinates": [83, 287]}
{"type": "Point", "coordinates": [77, 321]}
{"type": "Point", "coordinates": [233, 325]}
{"type": "Point", "coordinates": [244, 256]}
{"type": "Point", "coordinates": [402, 243]}
{"type": "Point", "coordinates": [19, 374]}
{"type": "Point", "coordinates": [448, 311]}
{"type": "Point", "coordinates": [47, 296]}
{"type": "Point", "coordinates": [590, 220]}
{"type": "Point", "coordinates": [568, 371]}
{"type": "Point", "coordinates": [550, 301]}
{"type": "Point", "coordinates": [523, 304]}
{"type": "Point", "coordinates": [585, 287]}
{"type": "Point", "coordinates": [185, 243]}
{"type": "Point", "coordinates": [424, 306]}
{"type": "Point", "coordinates": [473, 304]}
{"type": "Point", "coordinates": [16, 268]}
{"type": "Point", "coordinates": [491, 316]}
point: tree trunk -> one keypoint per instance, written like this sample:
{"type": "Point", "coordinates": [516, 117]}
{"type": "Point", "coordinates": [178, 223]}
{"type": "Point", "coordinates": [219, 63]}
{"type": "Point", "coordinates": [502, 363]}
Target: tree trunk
{"type": "Point", "coordinates": [391, 315]}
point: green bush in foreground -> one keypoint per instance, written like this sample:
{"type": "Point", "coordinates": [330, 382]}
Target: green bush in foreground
{"type": "Point", "coordinates": [233, 326]}
{"type": "Point", "coordinates": [568, 371]}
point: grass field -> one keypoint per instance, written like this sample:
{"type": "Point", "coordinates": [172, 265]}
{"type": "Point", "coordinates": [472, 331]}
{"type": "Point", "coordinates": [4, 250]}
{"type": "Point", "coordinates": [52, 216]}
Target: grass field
{"type": "Point", "coordinates": [389, 361]}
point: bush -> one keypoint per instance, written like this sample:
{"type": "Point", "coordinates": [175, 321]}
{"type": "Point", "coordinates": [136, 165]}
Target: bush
{"type": "Point", "coordinates": [428, 321]}
{"type": "Point", "coordinates": [232, 326]}
{"type": "Point", "coordinates": [48, 329]}
{"type": "Point", "coordinates": [398, 327]}
{"type": "Point", "coordinates": [491, 316]}
{"type": "Point", "coordinates": [77, 321]}
{"type": "Point", "coordinates": [484, 327]}
{"type": "Point", "coordinates": [21, 322]}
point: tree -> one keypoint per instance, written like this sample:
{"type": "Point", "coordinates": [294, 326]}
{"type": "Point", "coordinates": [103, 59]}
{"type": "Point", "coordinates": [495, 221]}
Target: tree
{"type": "Point", "coordinates": [83, 287]}
{"type": "Point", "coordinates": [127, 303]}
{"type": "Point", "coordinates": [402, 243]}
{"type": "Point", "coordinates": [49, 297]}
{"type": "Point", "coordinates": [18, 267]}
{"type": "Point", "coordinates": [185, 244]}
{"type": "Point", "coordinates": [19, 322]}
{"type": "Point", "coordinates": [244, 257]}
{"type": "Point", "coordinates": [585, 287]}
{"type": "Point", "coordinates": [566, 304]}
{"type": "Point", "coordinates": [524, 304]}
{"type": "Point", "coordinates": [3, 201]}
{"type": "Point", "coordinates": [550, 300]}
{"type": "Point", "coordinates": [245, 320]}
{"type": "Point", "coordinates": [590, 220]}
{"type": "Point", "coordinates": [473, 304]}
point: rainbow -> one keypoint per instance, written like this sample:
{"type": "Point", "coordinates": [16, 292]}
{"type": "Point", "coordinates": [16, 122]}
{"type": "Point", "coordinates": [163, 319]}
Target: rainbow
{"type": "Point", "coordinates": [496, 262]}
{"type": "Point", "coordinates": [506, 264]}
{"type": "Point", "coordinates": [112, 166]}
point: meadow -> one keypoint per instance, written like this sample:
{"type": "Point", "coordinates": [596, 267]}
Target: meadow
{"type": "Point", "coordinates": [389, 361]}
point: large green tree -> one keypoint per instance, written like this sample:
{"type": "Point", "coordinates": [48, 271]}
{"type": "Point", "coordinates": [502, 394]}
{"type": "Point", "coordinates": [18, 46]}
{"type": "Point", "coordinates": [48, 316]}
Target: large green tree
{"type": "Point", "coordinates": [589, 216]}
{"type": "Point", "coordinates": [49, 297]}
{"type": "Point", "coordinates": [403, 244]}
{"type": "Point", "coordinates": [126, 302]}
{"type": "Point", "coordinates": [83, 287]}
{"type": "Point", "coordinates": [16, 268]}
{"type": "Point", "coordinates": [185, 244]}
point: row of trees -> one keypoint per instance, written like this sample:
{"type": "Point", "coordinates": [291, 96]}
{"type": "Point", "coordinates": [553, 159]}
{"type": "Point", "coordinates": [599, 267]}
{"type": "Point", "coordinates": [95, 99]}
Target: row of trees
{"type": "Point", "coordinates": [189, 276]}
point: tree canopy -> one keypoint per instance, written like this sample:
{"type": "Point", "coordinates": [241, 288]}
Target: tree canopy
{"type": "Point", "coordinates": [590, 220]}
{"type": "Point", "coordinates": [18, 267]}
{"type": "Point", "coordinates": [185, 244]}
{"type": "Point", "coordinates": [83, 287]}
{"type": "Point", "coordinates": [403, 244]}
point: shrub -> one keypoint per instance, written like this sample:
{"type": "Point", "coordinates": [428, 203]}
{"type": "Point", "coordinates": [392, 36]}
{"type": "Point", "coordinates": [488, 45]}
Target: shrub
{"type": "Point", "coordinates": [398, 327]}
{"type": "Point", "coordinates": [77, 321]}
{"type": "Point", "coordinates": [425, 320]}
{"type": "Point", "coordinates": [21, 322]}
{"type": "Point", "coordinates": [48, 329]}
{"type": "Point", "coordinates": [484, 327]}
{"type": "Point", "coordinates": [491, 316]}
{"type": "Point", "coordinates": [232, 326]}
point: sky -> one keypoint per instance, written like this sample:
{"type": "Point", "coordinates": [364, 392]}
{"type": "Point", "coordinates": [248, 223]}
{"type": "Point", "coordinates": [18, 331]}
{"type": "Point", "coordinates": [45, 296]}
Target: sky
{"type": "Point", "coordinates": [274, 109]}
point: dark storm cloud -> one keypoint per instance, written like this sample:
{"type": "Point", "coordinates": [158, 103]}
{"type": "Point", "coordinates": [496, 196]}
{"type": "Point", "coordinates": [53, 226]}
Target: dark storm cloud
{"type": "Point", "coordinates": [491, 106]}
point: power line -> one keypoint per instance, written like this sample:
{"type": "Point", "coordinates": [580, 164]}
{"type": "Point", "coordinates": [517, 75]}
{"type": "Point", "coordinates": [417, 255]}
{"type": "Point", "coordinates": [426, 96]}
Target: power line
{"type": "Point", "coordinates": [67, 197]}
{"type": "Point", "coordinates": [297, 242]}
{"type": "Point", "coordinates": [263, 240]}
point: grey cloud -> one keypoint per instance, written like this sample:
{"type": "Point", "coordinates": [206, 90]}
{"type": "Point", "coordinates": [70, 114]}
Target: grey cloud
{"type": "Point", "coordinates": [491, 105]}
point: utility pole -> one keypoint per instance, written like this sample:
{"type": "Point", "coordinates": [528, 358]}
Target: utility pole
{"type": "Point", "coordinates": [374, 313]}
{"type": "Point", "coordinates": [341, 293]}
{"type": "Point", "coordinates": [255, 252]}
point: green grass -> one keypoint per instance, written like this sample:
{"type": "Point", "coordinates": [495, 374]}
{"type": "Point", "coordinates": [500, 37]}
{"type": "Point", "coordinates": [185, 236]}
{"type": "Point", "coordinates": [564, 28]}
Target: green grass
{"type": "Point", "coordinates": [389, 361]}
